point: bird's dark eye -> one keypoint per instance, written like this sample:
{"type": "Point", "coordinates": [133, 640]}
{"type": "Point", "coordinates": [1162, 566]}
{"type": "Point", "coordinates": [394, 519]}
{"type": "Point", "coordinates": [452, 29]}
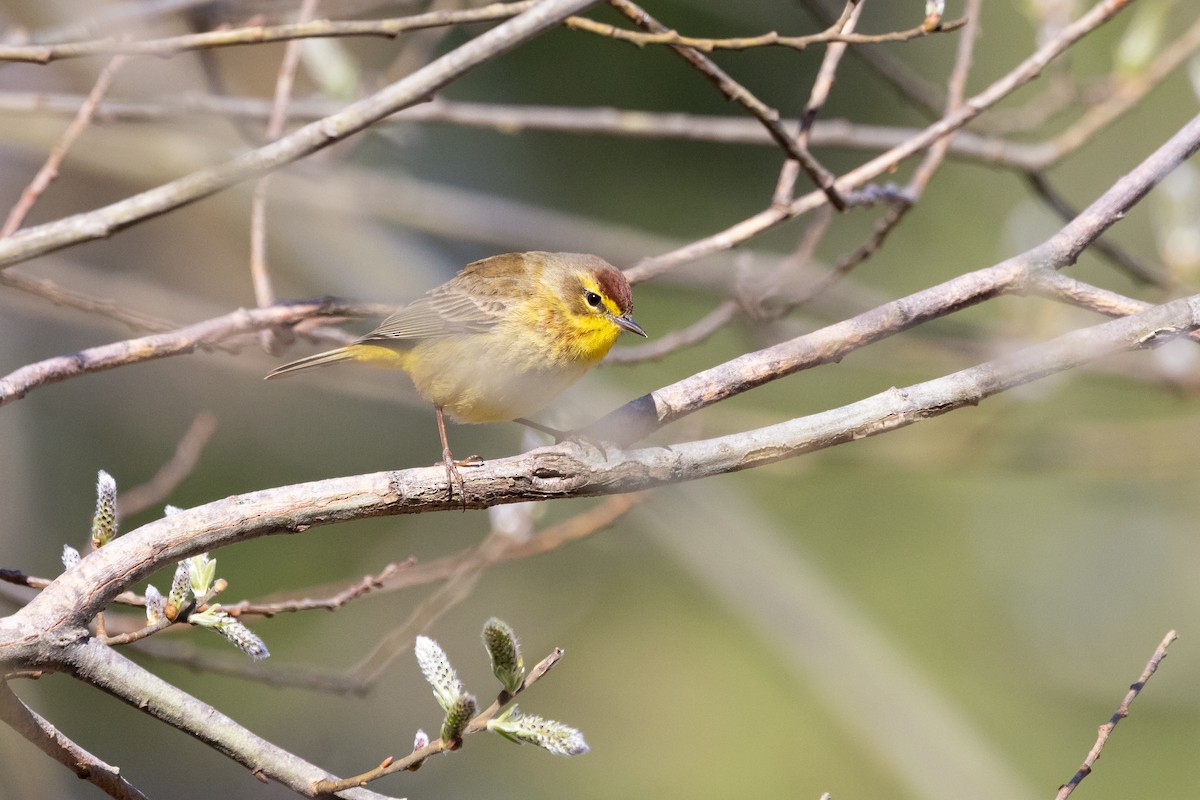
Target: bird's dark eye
{"type": "Point", "coordinates": [593, 299]}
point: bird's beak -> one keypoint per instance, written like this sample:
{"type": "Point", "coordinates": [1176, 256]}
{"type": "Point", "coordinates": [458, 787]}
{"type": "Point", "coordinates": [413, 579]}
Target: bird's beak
{"type": "Point", "coordinates": [629, 325]}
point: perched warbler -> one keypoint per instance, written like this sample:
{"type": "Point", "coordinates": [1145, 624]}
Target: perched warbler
{"type": "Point", "coordinates": [499, 340]}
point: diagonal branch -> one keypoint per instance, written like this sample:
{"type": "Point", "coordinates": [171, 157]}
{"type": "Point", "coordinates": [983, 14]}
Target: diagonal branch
{"type": "Point", "coordinates": [101, 666]}
{"type": "Point", "coordinates": [49, 170]}
{"type": "Point", "coordinates": [733, 90]}
{"type": "Point", "coordinates": [1121, 713]}
{"type": "Point", "coordinates": [568, 470]}
{"type": "Point", "coordinates": [1020, 75]}
{"type": "Point", "coordinates": [51, 741]}
{"type": "Point", "coordinates": [199, 336]}
{"type": "Point", "coordinates": [641, 417]}
{"type": "Point", "coordinates": [315, 136]}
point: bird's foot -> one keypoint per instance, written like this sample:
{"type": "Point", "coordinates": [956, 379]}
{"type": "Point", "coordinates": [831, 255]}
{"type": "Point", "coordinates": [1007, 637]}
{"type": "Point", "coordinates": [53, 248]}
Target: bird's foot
{"type": "Point", "coordinates": [453, 476]}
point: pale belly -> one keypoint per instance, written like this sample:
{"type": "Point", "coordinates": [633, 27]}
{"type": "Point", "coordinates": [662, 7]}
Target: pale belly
{"type": "Point", "coordinates": [489, 384]}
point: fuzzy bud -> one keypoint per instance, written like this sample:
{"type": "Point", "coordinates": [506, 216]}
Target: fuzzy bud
{"type": "Point", "coordinates": [181, 591]}
{"type": "Point", "coordinates": [104, 523]}
{"type": "Point", "coordinates": [458, 717]}
{"type": "Point", "coordinates": [233, 630]}
{"type": "Point", "coordinates": [70, 556]}
{"type": "Point", "coordinates": [553, 737]}
{"type": "Point", "coordinates": [435, 666]}
{"type": "Point", "coordinates": [505, 652]}
{"type": "Point", "coordinates": [420, 742]}
{"type": "Point", "coordinates": [156, 605]}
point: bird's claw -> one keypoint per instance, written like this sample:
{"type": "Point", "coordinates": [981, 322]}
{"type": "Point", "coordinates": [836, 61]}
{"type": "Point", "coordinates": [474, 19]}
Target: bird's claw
{"type": "Point", "coordinates": [453, 476]}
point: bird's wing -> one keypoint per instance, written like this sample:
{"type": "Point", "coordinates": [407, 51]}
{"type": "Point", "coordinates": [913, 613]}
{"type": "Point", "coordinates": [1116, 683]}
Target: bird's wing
{"type": "Point", "coordinates": [445, 311]}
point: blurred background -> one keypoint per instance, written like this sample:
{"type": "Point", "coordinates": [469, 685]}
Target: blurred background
{"type": "Point", "coordinates": [947, 610]}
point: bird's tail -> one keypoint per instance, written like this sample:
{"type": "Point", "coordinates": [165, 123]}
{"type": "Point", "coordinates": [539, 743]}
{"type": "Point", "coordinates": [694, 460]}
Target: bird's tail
{"type": "Point", "coordinates": [318, 360]}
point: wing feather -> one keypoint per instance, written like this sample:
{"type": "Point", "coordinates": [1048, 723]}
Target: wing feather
{"type": "Point", "coordinates": [473, 301]}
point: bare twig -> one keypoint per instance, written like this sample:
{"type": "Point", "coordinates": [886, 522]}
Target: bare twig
{"type": "Point", "coordinates": [107, 669]}
{"type": "Point", "coordinates": [990, 150]}
{"type": "Point", "coordinates": [479, 723]}
{"type": "Point", "coordinates": [1023, 73]}
{"type": "Point", "coordinates": [260, 273]}
{"type": "Point", "coordinates": [1127, 94]}
{"type": "Point", "coordinates": [308, 139]}
{"type": "Point", "coordinates": [770, 39]}
{"type": "Point", "coordinates": [456, 588]}
{"type": "Point", "coordinates": [832, 343]}
{"type": "Point", "coordinates": [172, 473]}
{"type": "Point", "coordinates": [49, 170]}
{"type": "Point", "coordinates": [913, 191]}
{"type": "Point", "coordinates": [579, 526]}
{"type": "Point", "coordinates": [390, 28]}
{"type": "Point", "coordinates": [769, 117]}
{"type": "Point", "coordinates": [895, 72]}
{"type": "Point", "coordinates": [785, 186]}
{"type": "Point", "coordinates": [18, 578]}
{"type": "Point", "coordinates": [205, 334]}
{"type": "Point", "coordinates": [52, 292]}
{"type": "Point", "coordinates": [51, 741]}
{"type": "Point", "coordinates": [260, 34]}
{"type": "Point", "coordinates": [1114, 253]}
{"type": "Point", "coordinates": [1064, 289]}
{"type": "Point", "coordinates": [135, 635]}
{"type": "Point", "coordinates": [1121, 713]}
{"type": "Point", "coordinates": [956, 88]}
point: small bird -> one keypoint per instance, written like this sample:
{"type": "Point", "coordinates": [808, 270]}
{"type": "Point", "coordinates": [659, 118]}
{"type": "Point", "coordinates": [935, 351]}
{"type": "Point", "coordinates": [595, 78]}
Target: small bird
{"type": "Point", "coordinates": [500, 340]}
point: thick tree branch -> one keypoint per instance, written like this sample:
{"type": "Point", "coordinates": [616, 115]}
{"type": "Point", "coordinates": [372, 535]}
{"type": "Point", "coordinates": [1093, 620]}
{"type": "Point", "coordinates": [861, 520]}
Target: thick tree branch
{"type": "Point", "coordinates": [641, 417]}
{"type": "Point", "coordinates": [568, 470]}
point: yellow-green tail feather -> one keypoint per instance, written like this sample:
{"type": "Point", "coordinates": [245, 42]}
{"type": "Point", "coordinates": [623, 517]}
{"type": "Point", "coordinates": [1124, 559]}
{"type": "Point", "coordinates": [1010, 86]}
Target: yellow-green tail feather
{"type": "Point", "coordinates": [317, 360]}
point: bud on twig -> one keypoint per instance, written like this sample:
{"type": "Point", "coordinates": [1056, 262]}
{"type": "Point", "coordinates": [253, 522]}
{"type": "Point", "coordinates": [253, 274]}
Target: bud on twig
{"type": "Point", "coordinates": [435, 666]}
{"type": "Point", "coordinates": [458, 717]}
{"type": "Point", "coordinates": [233, 630]}
{"type": "Point", "coordinates": [505, 651]}
{"type": "Point", "coordinates": [104, 523]}
{"type": "Point", "coordinates": [551, 736]}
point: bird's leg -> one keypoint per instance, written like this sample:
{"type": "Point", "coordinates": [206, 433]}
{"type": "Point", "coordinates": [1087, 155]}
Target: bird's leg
{"type": "Point", "coordinates": [559, 436]}
{"type": "Point", "coordinates": [453, 476]}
